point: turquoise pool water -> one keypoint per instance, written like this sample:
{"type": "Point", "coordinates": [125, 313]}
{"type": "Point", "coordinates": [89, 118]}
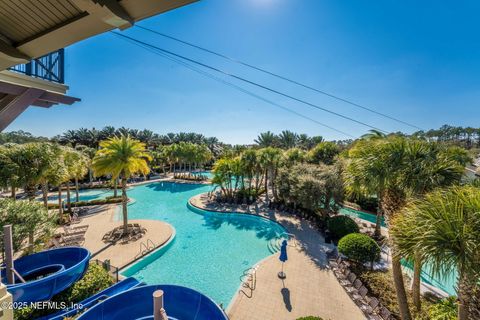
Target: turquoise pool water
{"type": "Point", "coordinates": [210, 250]}
{"type": "Point", "coordinates": [84, 195]}
{"type": "Point", "coordinates": [361, 215]}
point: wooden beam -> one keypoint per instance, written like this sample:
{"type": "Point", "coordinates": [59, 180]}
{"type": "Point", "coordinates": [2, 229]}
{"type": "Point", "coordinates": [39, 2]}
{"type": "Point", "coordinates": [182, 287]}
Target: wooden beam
{"type": "Point", "coordinates": [47, 96]}
{"type": "Point", "coordinates": [13, 52]}
{"type": "Point", "coordinates": [109, 11]}
{"type": "Point", "coordinates": [12, 108]}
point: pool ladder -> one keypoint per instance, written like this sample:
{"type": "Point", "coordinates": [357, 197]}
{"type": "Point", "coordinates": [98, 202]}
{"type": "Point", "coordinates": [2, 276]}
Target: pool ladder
{"type": "Point", "coordinates": [249, 281]}
{"type": "Point", "coordinates": [145, 247]}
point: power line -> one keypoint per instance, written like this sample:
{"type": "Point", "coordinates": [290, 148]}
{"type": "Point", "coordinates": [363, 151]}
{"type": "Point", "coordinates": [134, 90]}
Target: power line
{"type": "Point", "coordinates": [249, 81]}
{"type": "Point", "coordinates": [211, 76]}
{"type": "Point", "coordinates": [276, 75]}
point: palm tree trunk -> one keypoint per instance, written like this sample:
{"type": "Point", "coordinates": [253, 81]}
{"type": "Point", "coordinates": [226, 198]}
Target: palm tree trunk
{"type": "Point", "coordinates": [378, 224]}
{"type": "Point", "coordinates": [392, 201]}
{"type": "Point", "coordinates": [266, 185]}
{"type": "Point", "coordinates": [417, 269]}
{"type": "Point", "coordinates": [115, 183]}
{"type": "Point", "coordinates": [90, 177]}
{"type": "Point", "coordinates": [77, 196]}
{"type": "Point", "coordinates": [69, 201]}
{"type": "Point", "coordinates": [60, 208]}
{"type": "Point", "coordinates": [463, 296]}
{"type": "Point", "coordinates": [124, 205]}
{"type": "Point", "coordinates": [14, 192]}
{"type": "Point", "coordinates": [45, 194]}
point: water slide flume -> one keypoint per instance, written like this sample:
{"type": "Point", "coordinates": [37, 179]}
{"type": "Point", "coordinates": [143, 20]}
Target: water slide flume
{"type": "Point", "coordinates": [180, 303]}
{"type": "Point", "coordinates": [89, 302]}
{"type": "Point", "coordinates": [46, 273]}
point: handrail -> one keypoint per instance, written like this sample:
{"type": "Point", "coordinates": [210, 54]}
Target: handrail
{"type": "Point", "coordinates": [291, 236]}
{"type": "Point", "coordinates": [149, 241]}
{"type": "Point", "coordinates": [18, 275]}
{"type": "Point", "coordinates": [250, 282]}
{"type": "Point", "coordinates": [147, 247]}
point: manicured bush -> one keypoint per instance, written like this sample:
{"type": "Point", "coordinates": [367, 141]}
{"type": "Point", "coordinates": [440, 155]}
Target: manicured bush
{"type": "Point", "coordinates": [340, 226]}
{"type": "Point", "coordinates": [359, 248]}
{"type": "Point", "coordinates": [445, 309]}
{"type": "Point", "coordinates": [95, 279]}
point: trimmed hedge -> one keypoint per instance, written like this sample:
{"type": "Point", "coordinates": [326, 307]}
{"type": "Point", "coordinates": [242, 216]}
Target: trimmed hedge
{"type": "Point", "coordinates": [95, 279]}
{"type": "Point", "coordinates": [359, 248]}
{"type": "Point", "coordinates": [108, 200]}
{"type": "Point", "coordinates": [340, 226]}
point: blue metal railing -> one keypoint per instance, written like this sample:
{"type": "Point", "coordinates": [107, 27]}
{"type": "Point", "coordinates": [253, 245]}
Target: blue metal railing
{"type": "Point", "coordinates": [49, 67]}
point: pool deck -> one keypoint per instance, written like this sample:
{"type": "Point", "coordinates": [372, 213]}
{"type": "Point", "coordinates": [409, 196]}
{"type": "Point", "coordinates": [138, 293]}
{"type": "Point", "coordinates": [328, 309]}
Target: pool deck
{"type": "Point", "coordinates": [119, 254]}
{"type": "Point", "coordinates": [310, 287]}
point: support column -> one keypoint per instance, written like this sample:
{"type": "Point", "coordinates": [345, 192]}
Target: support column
{"type": "Point", "coordinates": [5, 297]}
{"type": "Point", "coordinates": [8, 243]}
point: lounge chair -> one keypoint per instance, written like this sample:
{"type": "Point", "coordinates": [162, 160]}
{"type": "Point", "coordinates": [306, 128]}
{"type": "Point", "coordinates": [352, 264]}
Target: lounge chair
{"type": "Point", "coordinates": [360, 294]}
{"type": "Point", "coordinates": [354, 287]}
{"type": "Point", "coordinates": [370, 307]}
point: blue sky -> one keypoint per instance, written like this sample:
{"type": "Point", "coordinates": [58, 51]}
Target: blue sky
{"type": "Point", "coordinates": [415, 60]}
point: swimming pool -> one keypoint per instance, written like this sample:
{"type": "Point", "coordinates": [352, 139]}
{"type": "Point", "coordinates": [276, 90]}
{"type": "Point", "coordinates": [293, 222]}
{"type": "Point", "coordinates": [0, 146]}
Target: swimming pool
{"type": "Point", "coordinates": [84, 195]}
{"type": "Point", "coordinates": [361, 215]}
{"type": "Point", "coordinates": [210, 250]}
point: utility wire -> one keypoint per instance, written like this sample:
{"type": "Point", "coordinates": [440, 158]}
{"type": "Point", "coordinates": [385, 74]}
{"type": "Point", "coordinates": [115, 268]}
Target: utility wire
{"type": "Point", "coordinates": [248, 81]}
{"type": "Point", "coordinates": [276, 75]}
{"type": "Point", "coordinates": [211, 76]}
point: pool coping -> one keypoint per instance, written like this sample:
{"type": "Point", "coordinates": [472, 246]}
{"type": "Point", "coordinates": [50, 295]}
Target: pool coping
{"type": "Point", "coordinates": [157, 248]}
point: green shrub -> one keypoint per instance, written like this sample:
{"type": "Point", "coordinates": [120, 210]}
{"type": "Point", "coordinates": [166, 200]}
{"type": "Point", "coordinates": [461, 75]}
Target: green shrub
{"type": "Point", "coordinates": [359, 248]}
{"type": "Point", "coordinates": [310, 318]}
{"type": "Point", "coordinates": [340, 226]}
{"type": "Point", "coordinates": [95, 279]}
{"type": "Point", "coordinates": [108, 200]}
{"type": "Point", "coordinates": [446, 309]}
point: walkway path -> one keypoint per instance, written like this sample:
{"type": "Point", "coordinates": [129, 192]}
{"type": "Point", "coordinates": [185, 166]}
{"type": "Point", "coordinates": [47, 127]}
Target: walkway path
{"type": "Point", "coordinates": [120, 254]}
{"type": "Point", "coordinates": [309, 289]}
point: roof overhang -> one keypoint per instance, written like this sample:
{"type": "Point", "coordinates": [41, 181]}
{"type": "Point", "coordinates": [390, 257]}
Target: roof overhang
{"type": "Point", "coordinates": [18, 92]}
{"type": "Point", "coordinates": [31, 29]}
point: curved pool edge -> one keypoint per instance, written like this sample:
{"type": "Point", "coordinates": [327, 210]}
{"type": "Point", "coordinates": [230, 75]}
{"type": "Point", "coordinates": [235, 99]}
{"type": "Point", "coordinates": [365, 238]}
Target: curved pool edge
{"type": "Point", "coordinates": [257, 264]}
{"type": "Point", "coordinates": [194, 207]}
{"type": "Point", "coordinates": [151, 256]}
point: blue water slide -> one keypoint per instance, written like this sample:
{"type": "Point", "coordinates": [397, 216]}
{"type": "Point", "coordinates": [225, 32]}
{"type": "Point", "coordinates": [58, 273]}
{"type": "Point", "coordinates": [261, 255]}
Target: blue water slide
{"type": "Point", "coordinates": [47, 273]}
{"type": "Point", "coordinates": [180, 303]}
{"type": "Point", "coordinates": [121, 286]}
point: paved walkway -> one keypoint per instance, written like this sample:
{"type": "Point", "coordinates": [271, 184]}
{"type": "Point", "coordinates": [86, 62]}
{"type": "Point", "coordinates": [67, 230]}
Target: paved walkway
{"type": "Point", "coordinates": [120, 254]}
{"type": "Point", "coordinates": [309, 289]}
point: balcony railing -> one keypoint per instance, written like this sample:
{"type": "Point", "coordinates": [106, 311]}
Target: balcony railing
{"type": "Point", "coordinates": [50, 67]}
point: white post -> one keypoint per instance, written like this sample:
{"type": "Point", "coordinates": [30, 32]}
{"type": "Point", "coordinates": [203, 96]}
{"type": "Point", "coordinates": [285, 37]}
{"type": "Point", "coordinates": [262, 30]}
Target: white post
{"type": "Point", "coordinates": [158, 310]}
{"type": "Point", "coordinates": [8, 243]}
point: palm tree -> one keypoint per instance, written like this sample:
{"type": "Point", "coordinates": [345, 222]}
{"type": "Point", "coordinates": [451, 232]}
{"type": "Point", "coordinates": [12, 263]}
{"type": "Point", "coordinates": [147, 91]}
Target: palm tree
{"type": "Point", "coordinates": [287, 139]}
{"type": "Point", "coordinates": [269, 159]}
{"type": "Point", "coordinates": [266, 139]}
{"type": "Point", "coordinates": [444, 228]}
{"type": "Point", "coordinates": [122, 157]}
{"type": "Point", "coordinates": [373, 134]}
{"type": "Point", "coordinates": [393, 168]}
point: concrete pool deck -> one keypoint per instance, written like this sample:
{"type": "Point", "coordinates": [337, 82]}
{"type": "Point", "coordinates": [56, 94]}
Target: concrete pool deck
{"type": "Point", "coordinates": [310, 287]}
{"type": "Point", "coordinates": [119, 254]}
